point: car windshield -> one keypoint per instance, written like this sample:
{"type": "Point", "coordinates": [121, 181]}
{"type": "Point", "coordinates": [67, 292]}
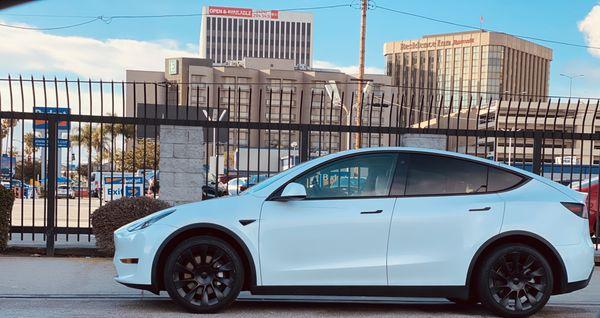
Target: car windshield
{"type": "Point", "coordinates": [263, 184]}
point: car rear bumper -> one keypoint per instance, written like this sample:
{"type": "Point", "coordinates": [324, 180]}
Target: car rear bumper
{"type": "Point", "coordinates": [578, 285]}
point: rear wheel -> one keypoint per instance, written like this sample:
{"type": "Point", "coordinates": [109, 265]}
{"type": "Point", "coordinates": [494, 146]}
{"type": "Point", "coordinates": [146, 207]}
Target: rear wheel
{"type": "Point", "coordinates": [203, 274]}
{"type": "Point", "coordinates": [515, 281]}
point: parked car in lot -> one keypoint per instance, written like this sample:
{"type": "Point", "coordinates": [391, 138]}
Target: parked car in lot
{"type": "Point", "coordinates": [590, 187]}
{"type": "Point", "coordinates": [81, 192]}
{"type": "Point", "coordinates": [63, 191]}
{"type": "Point", "coordinates": [423, 223]}
{"type": "Point", "coordinates": [237, 185]}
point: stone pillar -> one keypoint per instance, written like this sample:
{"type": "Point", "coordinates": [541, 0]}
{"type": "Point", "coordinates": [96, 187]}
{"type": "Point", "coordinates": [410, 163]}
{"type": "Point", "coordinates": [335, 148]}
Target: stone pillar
{"type": "Point", "coordinates": [182, 162]}
{"type": "Point", "coordinates": [430, 141]}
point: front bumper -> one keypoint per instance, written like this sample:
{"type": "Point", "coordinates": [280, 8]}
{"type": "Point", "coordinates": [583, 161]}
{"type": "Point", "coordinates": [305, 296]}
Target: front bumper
{"type": "Point", "coordinates": [142, 246]}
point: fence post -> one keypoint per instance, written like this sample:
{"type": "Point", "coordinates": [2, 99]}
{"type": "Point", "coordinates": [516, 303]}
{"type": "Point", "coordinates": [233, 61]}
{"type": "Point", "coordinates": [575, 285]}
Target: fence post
{"type": "Point", "coordinates": [304, 147]}
{"type": "Point", "coordinates": [537, 152]}
{"type": "Point", "coordinates": [51, 182]}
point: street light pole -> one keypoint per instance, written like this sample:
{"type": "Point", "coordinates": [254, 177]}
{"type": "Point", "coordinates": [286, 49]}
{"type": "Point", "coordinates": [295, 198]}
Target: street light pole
{"type": "Point", "coordinates": [571, 77]}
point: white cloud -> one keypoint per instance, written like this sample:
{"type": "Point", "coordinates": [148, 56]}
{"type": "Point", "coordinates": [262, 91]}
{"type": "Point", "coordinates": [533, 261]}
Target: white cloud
{"type": "Point", "coordinates": [352, 69]}
{"type": "Point", "coordinates": [36, 51]}
{"type": "Point", "coordinates": [590, 27]}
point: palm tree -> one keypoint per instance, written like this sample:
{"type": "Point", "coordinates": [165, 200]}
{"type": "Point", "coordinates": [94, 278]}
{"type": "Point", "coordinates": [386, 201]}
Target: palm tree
{"type": "Point", "coordinates": [5, 127]}
{"type": "Point", "coordinates": [88, 137]}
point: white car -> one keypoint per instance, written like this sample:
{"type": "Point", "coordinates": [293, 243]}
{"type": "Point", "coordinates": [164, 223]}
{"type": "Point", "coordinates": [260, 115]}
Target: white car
{"type": "Point", "coordinates": [64, 191]}
{"type": "Point", "coordinates": [237, 185]}
{"type": "Point", "coordinates": [371, 222]}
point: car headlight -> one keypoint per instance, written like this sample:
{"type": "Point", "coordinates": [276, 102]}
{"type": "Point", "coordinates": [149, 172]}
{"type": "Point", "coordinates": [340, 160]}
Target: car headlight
{"type": "Point", "coordinates": [144, 223]}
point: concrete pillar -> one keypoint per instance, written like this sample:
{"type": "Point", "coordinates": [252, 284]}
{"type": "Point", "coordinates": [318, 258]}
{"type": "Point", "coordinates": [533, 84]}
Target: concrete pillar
{"type": "Point", "coordinates": [182, 164]}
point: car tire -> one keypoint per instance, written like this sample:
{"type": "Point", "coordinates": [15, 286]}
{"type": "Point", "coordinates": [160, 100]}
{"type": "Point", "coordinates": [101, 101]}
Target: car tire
{"type": "Point", "coordinates": [203, 274]}
{"type": "Point", "coordinates": [515, 281]}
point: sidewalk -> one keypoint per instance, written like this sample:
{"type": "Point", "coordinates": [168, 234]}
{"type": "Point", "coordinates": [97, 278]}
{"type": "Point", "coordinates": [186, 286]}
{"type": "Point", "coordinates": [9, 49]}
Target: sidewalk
{"type": "Point", "coordinates": [75, 277]}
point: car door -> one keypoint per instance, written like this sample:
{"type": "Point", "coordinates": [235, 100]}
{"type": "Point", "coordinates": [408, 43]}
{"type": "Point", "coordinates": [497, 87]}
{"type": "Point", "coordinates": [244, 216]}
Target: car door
{"type": "Point", "coordinates": [443, 215]}
{"type": "Point", "coordinates": [337, 235]}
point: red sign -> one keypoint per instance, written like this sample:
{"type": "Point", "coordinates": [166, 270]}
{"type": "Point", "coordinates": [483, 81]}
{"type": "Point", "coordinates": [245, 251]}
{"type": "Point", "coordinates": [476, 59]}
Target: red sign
{"type": "Point", "coordinates": [243, 12]}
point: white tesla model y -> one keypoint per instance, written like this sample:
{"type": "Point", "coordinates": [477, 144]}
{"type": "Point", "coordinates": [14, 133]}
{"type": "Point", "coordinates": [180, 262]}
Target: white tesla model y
{"type": "Point", "coordinates": [372, 222]}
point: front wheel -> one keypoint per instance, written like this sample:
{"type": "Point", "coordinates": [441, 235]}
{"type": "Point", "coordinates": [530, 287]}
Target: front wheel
{"type": "Point", "coordinates": [203, 274]}
{"type": "Point", "coordinates": [515, 281]}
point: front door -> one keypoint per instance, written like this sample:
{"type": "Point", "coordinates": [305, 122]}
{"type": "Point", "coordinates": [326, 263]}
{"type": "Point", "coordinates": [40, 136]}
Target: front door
{"type": "Point", "coordinates": [337, 236]}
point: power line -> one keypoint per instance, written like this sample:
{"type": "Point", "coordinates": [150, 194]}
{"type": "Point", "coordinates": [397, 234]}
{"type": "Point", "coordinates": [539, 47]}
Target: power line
{"type": "Point", "coordinates": [479, 28]}
{"type": "Point", "coordinates": [153, 16]}
{"type": "Point", "coordinates": [49, 28]}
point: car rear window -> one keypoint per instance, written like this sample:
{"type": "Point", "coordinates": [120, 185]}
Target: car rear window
{"type": "Point", "coordinates": [500, 180]}
{"type": "Point", "coordinates": [436, 175]}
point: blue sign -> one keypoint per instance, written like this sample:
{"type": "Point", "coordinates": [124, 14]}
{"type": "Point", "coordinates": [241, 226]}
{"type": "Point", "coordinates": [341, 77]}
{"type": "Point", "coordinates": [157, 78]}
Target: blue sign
{"type": "Point", "coordinates": [7, 165]}
{"type": "Point", "coordinates": [111, 193]}
{"type": "Point", "coordinates": [43, 142]}
{"type": "Point", "coordinates": [42, 124]}
{"type": "Point", "coordinates": [119, 180]}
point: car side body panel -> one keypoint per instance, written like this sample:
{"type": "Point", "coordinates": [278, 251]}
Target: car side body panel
{"type": "Point", "coordinates": [536, 208]}
{"type": "Point", "coordinates": [433, 238]}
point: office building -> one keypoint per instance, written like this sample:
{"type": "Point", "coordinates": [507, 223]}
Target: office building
{"type": "Point", "coordinates": [267, 90]}
{"type": "Point", "coordinates": [231, 34]}
{"type": "Point", "coordinates": [457, 67]}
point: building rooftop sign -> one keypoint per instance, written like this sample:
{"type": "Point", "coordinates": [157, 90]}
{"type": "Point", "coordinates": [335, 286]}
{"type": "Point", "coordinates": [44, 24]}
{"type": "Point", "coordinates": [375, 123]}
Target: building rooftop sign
{"type": "Point", "coordinates": [435, 43]}
{"type": "Point", "coordinates": [243, 12]}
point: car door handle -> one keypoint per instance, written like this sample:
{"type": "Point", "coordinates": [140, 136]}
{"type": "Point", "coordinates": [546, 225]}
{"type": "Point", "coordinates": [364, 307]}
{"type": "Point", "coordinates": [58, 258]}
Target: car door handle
{"type": "Point", "coordinates": [487, 208]}
{"type": "Point", "coordinates": [371, 212]}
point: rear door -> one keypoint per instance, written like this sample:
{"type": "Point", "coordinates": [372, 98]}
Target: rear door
{"type": "Point", "coordinates": [443, 214]}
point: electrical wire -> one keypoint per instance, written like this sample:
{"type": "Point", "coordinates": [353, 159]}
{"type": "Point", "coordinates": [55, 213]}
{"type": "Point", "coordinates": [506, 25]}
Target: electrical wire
{"type": "Point", "coordinates": [49, 28]}
{"type": "Point", "coordinates": [479, 28]}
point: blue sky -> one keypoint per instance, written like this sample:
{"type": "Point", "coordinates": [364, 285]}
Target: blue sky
{"type": "Point", "coordinates": [336, 34]}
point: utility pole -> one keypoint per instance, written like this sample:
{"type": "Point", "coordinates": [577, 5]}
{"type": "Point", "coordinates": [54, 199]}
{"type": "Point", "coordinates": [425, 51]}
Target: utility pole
{"type": "Point", "coordinates": [361, 69]}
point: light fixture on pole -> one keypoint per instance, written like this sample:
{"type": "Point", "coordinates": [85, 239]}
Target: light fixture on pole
{"type": "Point", "coordinates": [571, 78]}
{"type": "Point", "coordinates": [214, 134]}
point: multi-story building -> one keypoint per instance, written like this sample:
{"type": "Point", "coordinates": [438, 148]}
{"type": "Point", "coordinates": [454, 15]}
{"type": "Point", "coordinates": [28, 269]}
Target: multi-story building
{"type": "Point", "coordinates": [231, 34]}
{"type": "Point", "coordinates": [457, 67]}
{"type": "Point", "coordinates": [516, 116]}
{"type": "Point", "coordinates": [266, 90]}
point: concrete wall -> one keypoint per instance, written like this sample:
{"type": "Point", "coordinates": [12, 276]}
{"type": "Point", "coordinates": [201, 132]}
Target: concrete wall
{"type": "Point", "coordinates": [421, 141]}
{"type": "Point", "coordinates": [182, 162]}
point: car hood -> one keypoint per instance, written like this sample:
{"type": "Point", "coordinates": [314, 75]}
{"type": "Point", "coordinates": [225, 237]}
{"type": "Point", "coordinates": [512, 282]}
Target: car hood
{"type": "Point", "coordinates": [223, 210]}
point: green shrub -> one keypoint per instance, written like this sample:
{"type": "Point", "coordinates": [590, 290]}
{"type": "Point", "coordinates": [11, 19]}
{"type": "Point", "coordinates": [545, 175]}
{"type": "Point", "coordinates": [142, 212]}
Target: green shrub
{"type": "Point", "coordinates": [7, 198]}
{"type": "Point", "coordinates": [113, 215]}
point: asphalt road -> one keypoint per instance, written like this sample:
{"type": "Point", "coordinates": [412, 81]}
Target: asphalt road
{"type": "Point", "coordinates": [83, 287]}
{"type": "Point", "coordinates": [163, 308]}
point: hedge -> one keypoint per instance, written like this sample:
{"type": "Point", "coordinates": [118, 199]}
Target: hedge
{"type": "Point", "coordinates": [113, 215]}
{"type": "Point", "coordinates": [7, 199]}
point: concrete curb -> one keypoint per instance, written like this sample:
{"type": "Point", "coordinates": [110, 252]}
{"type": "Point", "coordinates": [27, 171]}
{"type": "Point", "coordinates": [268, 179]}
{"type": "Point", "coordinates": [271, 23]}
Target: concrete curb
{"type": "Point", "coordinates": [65, 251]}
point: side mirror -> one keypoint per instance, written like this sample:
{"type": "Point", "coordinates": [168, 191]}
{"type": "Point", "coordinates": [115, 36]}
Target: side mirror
{"type": "Point", "coordinates": [293, 191]}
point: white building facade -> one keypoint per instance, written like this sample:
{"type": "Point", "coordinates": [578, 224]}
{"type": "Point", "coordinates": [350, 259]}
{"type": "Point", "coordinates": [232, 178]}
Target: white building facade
{"type": "Point", "coordinates": [231, 34]}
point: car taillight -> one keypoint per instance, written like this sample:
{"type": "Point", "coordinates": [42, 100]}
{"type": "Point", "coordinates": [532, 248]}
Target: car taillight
{"type": "Point", "coordinates": [243, 188]}
{"type": "Point", "coordinates": [579, 209]}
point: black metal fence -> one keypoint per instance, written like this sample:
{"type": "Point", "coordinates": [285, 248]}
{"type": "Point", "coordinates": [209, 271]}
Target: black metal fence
{"type": "Point", "coordinates": [68, 146]}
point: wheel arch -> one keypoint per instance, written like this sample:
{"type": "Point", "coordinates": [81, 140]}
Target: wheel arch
{"type": "Point", "coordinates": [559, 271]}
{"type": "Point", "coordinates": [203, 229]}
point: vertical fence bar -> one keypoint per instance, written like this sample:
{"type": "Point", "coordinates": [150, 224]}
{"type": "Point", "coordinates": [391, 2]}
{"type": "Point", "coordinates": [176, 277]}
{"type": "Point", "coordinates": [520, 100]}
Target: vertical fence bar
{"type": "Point", "coordinates": [50, 182]}
{"type": "Point", "coordinates": [537, 152]}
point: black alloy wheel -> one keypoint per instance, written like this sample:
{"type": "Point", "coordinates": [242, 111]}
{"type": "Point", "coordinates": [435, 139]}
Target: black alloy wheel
{"type": "Point", "coordinates": [515, 281]}
{"type": "Point", "coordinates": [203, 274]}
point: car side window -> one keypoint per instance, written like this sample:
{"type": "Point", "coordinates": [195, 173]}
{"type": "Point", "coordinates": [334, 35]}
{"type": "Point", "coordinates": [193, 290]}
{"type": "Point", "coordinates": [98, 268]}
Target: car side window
{"type": "Point", "coordinates": [437, 175]}
{"type": "Point", "coordinates": [499, 180]}
{"type": "Point", "coordinates": [367, 175]}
